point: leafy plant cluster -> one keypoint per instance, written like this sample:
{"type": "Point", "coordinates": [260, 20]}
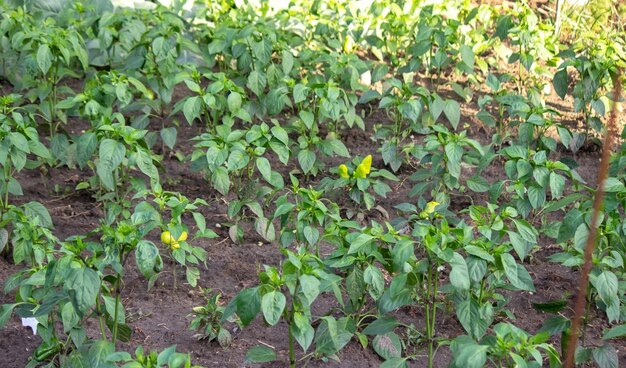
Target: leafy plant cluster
{"type": "Point", "coordinates": [273, 94]}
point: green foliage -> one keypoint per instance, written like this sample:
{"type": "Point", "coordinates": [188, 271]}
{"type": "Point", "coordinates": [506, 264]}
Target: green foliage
{"type": "Point", "coordinates": [279, 92]}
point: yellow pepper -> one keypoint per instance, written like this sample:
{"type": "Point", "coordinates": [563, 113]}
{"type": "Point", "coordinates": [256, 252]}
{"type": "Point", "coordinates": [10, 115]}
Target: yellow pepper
{"type": "Point", "coordinates": [367, 164]}
{"type": "Point", "coordinates": [166, 237]}
{"type": "Point", "coordinates": [343, 171]}
{"type": "Point", "coordinates": [430, 207]}
{"type": "Point", "coordinates": [361, 171]}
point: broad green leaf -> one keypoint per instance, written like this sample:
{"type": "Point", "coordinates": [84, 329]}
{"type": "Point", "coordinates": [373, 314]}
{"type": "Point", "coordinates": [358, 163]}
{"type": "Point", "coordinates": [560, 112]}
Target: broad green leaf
{"type": "Point", "coordinates": [560, 82]}
{"type": "Point", "coordinates": [37, 210]}
{"type": "Point", "coordinates": [571, 222]}
{"type": "Point", "coordinates": [302, 330]}
{"type": "Point", "coordinates": [220, 180]}
{"type": "Point", "coordinates": [472, 356]}
{"type": "Point", "coordinates": [454, 152]}
{"type": "Point", "coordinates": [452, 110]}
{"type": "Point", "coordinates": [310, 286]}
{"type": "Point", "coordinates": [44, 58]}
{"type": "Point", "coordinates": [615, 332]}
{"type": "Point", "coordinates": [5, 313]}
{"type": "Point", "coordinates": [557, 184]}
{"type": "Point", "coordinates": [613, 185]}
{"type": "Point", "coordinates": [168, 135]}
{"type": "Point", "coordinates": [191, 108]}
{"type": "Point", "coordinates": [246, 305]}
{"type": "Point", "coordinates": [145, 164]}
{"type": "Point", "coordinates": [555, 325]}
{"type": "Point", "coordinates": [306, 159]}
{"type": "Point", "coordinates": [260, 354]}
{"type": "Point", "coordinates": [264, 167]}
{"type": "Point", "coordinates": [85, 148]}
{"type": "Point", "coordinates": [474, 318]}
{"type": "Point", "coordinates": [394, 363]}
{"type": "Point", "coordinates": [85, 283]}
{"type": "Point", "coordinates": [606, 285]}
{"type": "Point", "coordinates": [375, 279]}
{"type": "Point", "coordinates": [459, 275]}
{"type": "Point", "coordinates": [536, 196]}
{"type": "Point", "coordinates": [605, 356]}
{"type": "Point", "coordinates": [387, 346]}
{"type": "Point", "coordinates": [359, 242]}
{"type": "Point", "coordinates": [111, 155]}
{"type": "Point", "coordinates": [234, 102]}
{"type": "Point", "coordinates": [381, 326]}
{"type": "Point", "coordinates": [98, 353]}
{"type": "Point", "coordinates": [272, 306]}
{"type": "Point", "coordinates": [478, 184]}
{"type": "Point", "coordinates": [332, 335]}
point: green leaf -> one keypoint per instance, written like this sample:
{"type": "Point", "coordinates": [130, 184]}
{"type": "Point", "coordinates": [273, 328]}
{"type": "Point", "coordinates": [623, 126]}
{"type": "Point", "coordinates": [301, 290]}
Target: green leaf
{"type": "Point", "coordinates": [381, 326]}
{"type": "Point", "coordinates": [272, 306]}
{"type": "Point", "coordinates": [332, 335]}
{"type": "Point", "coordinates": [525, 230]}
{"type": "Point", "coordinates": [339, 148]}
{"type": "Point", "coordinates": [387, 346]}
{"type": "Point", "coordinates": [459, 275]}
{"type": "Point", "coordinates": [606, 285]}
{"type": "Point", "coordinates": [191, 108]}
{"type": "Point", "coordinates": [264, 167]}
{"type": "Point", "coordinates": [467, 55]}
{"type": "Point", "coordinates": [560, 83]}
{"type": "Point", "coordinates": [220, 180]}
{"type": "Point", "coordinates": [359, 242]}
{"type": "Point", "coordinates": [145, 164]}
{"type": "Point", "coordinates": [310, 286]}
{"type": "Point", "coordinates": [536, 196]}
{"type": "Point", "coordinates": [571, 221]}
{"type": "Point", "coordinates": [192, 275]}
{"type": "Point", "coordinates": [452, 110]}
{"type": "Point", "coordinates": [478, 184]}
{"type": "Point", "coordinates": [37, 210]}
{"type": "Point", "coordinates": [260, 354]}
{"type": "Point", "coordinates": [557, 184]}
{"type": "Point", "coordinates": [5, 313]}
{"type": "Point", "coordinates": [302, 330]}
{"type": "Point", "coordinates": [472, 356]}
{"type": "Point", "coordinates": [85, 148]}
{"type": "Point", "coordinates": [287, 62]}
{"type": "Point", "coordinates": [474, 318]}
{"type": "Point", "coordinates": [44, 58]}
{"type": "Point", "coordinates": [615, 332]}
{"type": "Point", "coordinates": [606, 357]}
{"type": "Point", "coordinates": [234, 102]}
{"type": "Point", "coordinates": [454, 152]}
{"type": "Point", "coordinates": [614, 185]}
{"type": "Point", "coordinates": [85, 283]}
{"type": "Point", "coordinates": [246, 304]}
{"type": "Point", "coordinates": [555, 325]}
{"type": "Point", "coordinates": [553, 306]}
{"type": "Point", "coordinates": [394, 363]}
{"type": "Point", "coordinates": [517, 274]}
{"type": "Point", "coordinates": [19, 141]}
{"type": "Point", "coordinates": [111, 156]}
{"type": "Point", "coordinates": [148, 259]}
{"type": "Point", "coordinates": [168, 135]}
{"type": "Point", "coordinates": [98, 353]}
{"type": "Point", "coordinates": [306, 159]}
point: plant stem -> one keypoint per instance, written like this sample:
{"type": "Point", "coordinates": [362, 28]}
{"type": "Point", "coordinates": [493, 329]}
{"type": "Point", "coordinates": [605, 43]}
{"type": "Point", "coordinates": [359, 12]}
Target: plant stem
{"type": "Point", "coordinates": [98, 306]}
